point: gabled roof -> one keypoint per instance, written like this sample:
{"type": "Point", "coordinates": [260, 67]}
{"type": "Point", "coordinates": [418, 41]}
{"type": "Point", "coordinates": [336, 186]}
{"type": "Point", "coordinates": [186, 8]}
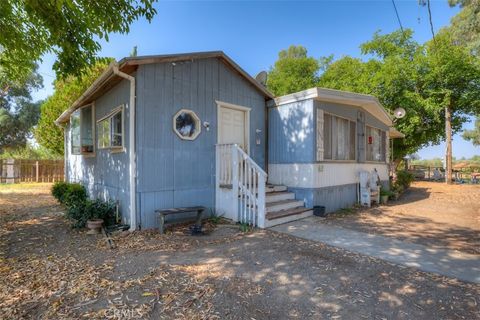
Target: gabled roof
{"type": "Point", "coordinates": [128, 65]}
{"type": "Point", "coordinates": [367, 102]}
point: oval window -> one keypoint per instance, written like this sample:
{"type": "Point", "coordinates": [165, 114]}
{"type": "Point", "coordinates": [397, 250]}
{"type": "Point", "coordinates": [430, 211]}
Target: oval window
{"type": "Point", "coordinates": [186, 124]}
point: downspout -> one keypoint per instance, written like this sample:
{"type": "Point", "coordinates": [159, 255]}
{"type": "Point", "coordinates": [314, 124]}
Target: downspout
{"type": "Point", "coordinates": [65, 151]}
{"type": "Point", "coordinates": [131, 149]}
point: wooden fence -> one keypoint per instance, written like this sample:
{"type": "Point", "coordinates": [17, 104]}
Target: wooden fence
{"type": "Point", "coordinates": [14, 171]}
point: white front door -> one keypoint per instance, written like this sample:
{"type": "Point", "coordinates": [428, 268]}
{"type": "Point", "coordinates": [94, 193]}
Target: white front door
{"type": "Point", "coordinates": [233, 126]}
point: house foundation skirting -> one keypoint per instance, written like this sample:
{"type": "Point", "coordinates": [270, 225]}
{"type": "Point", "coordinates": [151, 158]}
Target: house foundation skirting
{"type": "Point", "coordinates": [332, 198]}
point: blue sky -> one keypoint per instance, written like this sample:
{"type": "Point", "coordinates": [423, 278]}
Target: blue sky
{"type": "Point", "coordinates": [253, 32]}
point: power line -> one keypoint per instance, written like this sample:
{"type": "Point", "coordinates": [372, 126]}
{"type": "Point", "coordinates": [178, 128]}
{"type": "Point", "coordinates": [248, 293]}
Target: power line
{"type": "Point", "coordinates": [398, 16]}
{"type": "Point", "coordinates": [430, 18]}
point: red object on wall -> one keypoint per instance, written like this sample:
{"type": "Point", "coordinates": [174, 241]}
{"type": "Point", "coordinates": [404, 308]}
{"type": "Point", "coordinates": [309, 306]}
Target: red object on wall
{"type": "Point", "coordinates": [370, 140]}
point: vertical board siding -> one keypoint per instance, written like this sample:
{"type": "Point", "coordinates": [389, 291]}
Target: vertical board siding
{"type": "Point", "coordinates": [293, 130]}
{"type": "Point", "coordinates": [173, 172]}
{"type": "Point", "coordinates": [105, 175]}
{"type": "Point", "coordinates": [291, 133]}
{"type": "Point", "coordinates": [320, 135]}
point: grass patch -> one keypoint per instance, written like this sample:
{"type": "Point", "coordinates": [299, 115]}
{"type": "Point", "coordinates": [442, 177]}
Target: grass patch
{"type": "Point", "coordinates": [344, 212]}
{"type": "Point", "coordinates": [25, 186]}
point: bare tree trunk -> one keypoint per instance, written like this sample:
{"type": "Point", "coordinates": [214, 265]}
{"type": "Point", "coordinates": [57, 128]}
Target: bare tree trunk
{"type": "Point", "coordinates": [448, 142]}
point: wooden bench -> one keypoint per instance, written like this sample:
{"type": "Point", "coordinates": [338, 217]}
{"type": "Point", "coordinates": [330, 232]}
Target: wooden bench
{"type": "Point", "coordinates": [166, 212]}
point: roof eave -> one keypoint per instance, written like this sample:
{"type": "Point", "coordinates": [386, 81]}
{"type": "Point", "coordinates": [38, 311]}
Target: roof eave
{"type": "Point", "coordinates": [337, 96]}
{"type": "Point", "coordinates": [104, 77]}
{"type": "Point", "coordinates": [134, 61]}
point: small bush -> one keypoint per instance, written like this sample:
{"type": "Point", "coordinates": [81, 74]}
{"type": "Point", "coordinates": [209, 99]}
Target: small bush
{"type": "Point", "coordinates": [80, 209]}
{"type": "Point", "coordinates": [404, 179]}
{"type": "Point", "coordinates": [215, 217]}
{"type": "Point", "coordinates": [245, 227]}
{"type": "Point", "coordinates": [99, 209]}
{"type": "Point", "coordinates": [76, 195]}
{"type": "Point", "coordinates": [80, 213]}
{"type": "Point", "coordinates": [384, 192]}
{"type": "Point", "coordinates": [59, 189]}
{"type": "Point", "coordinates": [76, 214]}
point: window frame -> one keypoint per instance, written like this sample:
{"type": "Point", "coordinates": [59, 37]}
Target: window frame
{"type": "Point", "coordinates": [81, 153]}
{"type": "Point", "coordinates": [113, 149]}
{"type": "Point", "coordinates": [384, 147]}
{"type": "Point", "coordinates": [355, 159]}
{"type": "Point", "coordinates": [197, 120]}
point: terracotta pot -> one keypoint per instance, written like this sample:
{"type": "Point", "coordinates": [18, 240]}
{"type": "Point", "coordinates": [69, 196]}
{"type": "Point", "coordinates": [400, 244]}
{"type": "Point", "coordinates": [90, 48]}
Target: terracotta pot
{"type": "Point", "coordinates": [95, 226]}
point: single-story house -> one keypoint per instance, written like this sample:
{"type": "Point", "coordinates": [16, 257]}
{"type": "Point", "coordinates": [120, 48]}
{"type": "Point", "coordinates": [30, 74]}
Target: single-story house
{"type": "Point", "coordinates": [181, 130]}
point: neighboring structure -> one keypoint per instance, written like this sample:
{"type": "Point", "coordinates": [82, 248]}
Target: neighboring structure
{"type": "Point", "coordinates": [190, 129]}
{"type": "Point", "coordinates": [319, 141]}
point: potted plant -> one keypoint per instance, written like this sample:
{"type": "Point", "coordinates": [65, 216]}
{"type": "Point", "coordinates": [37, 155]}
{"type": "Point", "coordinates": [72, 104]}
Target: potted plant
{"type": "Point", "coordinates": [384, 195]}
{"type": "Point", "coordinates": [98, 212]}
{"type": "Point", "coordinates": [94, 226]}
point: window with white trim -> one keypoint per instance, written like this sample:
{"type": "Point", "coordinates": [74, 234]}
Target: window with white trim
{"type": "Point", "coordinates": [186, 124]}
{"type": "Point", "coordinates": [82, 131]}
{"type": "Point", "coordinates": [376, 144]}
{"type": "Point", "coordinates": [339, 138]}
{"type": "Point", "coordinates": [111, 131]}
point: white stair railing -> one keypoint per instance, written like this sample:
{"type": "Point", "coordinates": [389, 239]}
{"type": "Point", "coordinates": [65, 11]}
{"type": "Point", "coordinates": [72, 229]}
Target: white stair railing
{"type": "Point", "coordinates": [240, 186]}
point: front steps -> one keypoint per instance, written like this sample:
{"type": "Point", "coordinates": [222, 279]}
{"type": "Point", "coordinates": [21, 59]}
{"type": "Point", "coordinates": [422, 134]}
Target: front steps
{"type": "Point", "coordinates": [282, 207]}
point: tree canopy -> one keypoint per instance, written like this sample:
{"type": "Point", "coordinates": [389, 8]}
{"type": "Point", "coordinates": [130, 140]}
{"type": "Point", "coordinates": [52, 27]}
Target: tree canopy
{"type": "Point", "coordinates": [69, 29]}
{"type": "Point", "coordinates": [465, 26]}
{"type": "Point", "coordinates": [293, 71]}
{"type": "Point", "coordinates": [423, 79]}
{"type": "Point", "coordinates": [474, 134]}
{"type": "Point", "coordinates": [18, 112]}
{"type": "Point", "coordinates": [400, 72]}
{"type": "Point", "coordinates": [67, 90]}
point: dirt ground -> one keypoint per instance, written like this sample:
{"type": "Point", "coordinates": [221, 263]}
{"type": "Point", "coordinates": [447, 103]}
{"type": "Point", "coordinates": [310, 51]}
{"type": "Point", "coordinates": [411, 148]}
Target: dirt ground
{"type": "Point", "coordinates": [429, 213]}
{"type": "Point", "coordinates": [50, 271]}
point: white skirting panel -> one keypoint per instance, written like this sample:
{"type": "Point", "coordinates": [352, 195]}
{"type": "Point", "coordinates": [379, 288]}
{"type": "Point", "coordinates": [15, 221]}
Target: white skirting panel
{"type": "Point", "coordinates": [319, 175]}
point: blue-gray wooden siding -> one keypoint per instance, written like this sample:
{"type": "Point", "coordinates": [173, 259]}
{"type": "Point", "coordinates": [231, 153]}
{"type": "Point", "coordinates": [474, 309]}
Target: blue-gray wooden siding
{"type": "Point", "coordinates": [174, 172]}
{"type": "Point", "coordinates": [106, 175]}
{"type": "Point", "coordinates": [333, 198]}
{"type": "Point", "coordinates": [292, 139]}
{"type": "Point", "coordinates": [292, 129]}
{"type": "Point", "coordinates": [291, 136]}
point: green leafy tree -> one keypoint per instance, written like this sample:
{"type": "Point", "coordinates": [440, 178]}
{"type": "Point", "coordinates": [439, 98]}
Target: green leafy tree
{"type": "Point", "coordinates": [69, 29]}
{"type": "Point", "coordinates": [293, 71]}
{"type": "Point", "coordinates": [18, 112]}
{"type": "Point", "coordinates": [465, 26]}
{"type": "Point", "coordinates": [474, 134]}
{"type": "Point", "coordinates": [452, 83]}
{"type": "Point", "coordinates": [66, 91]}
{"type": "Point", "coordinates": [427, 80]}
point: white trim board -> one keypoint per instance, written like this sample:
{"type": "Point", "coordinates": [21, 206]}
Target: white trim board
{"type": "Point", "coordinates": [320, 175]}
{"type": "Point", "coordinates": [367, 102]}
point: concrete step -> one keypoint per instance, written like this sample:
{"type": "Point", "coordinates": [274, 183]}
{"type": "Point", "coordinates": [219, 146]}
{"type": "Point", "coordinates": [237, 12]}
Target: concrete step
{"type": "Point", "coordinates": [285, 213]}
{"type": "Point", "coordinates": [274, 188]}
{"type": "Point", "coordinates": [283, 205]}
{"type": "Point", "coordinates": [281, 218]}
{"type": "Point", "coordinates": [279, 196]}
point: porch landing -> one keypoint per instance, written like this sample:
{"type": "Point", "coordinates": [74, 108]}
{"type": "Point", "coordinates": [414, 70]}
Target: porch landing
{"type": "Point", "coordinates": [450, 263]}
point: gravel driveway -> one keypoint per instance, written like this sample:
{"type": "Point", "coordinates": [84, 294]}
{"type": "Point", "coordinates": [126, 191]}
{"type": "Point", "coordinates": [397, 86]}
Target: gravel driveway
{"type": "Point", "coordinates": [50, 271]}
{"type": "Point", "coordinates": [430, 213]}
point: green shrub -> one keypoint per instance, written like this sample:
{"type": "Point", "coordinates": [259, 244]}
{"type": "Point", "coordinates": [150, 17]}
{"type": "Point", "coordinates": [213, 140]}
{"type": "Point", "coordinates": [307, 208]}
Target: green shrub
{"type": "Point", "coordinates": [59, 189]}
{"type": "Point", "coordinates": [79, 208]}
{"type": "Point", "coordinates": [80, 213]}
{"type": "Point", "coordinates": [76, 215]}
{"type": "Point", "coordinates": [404, 178]}
{"type": "Point", "coordinates": [76, 195]}
{"type": "Point", "coordinates": [384, 192]}
{"type": "Point", "coordinates": [99, 209]}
